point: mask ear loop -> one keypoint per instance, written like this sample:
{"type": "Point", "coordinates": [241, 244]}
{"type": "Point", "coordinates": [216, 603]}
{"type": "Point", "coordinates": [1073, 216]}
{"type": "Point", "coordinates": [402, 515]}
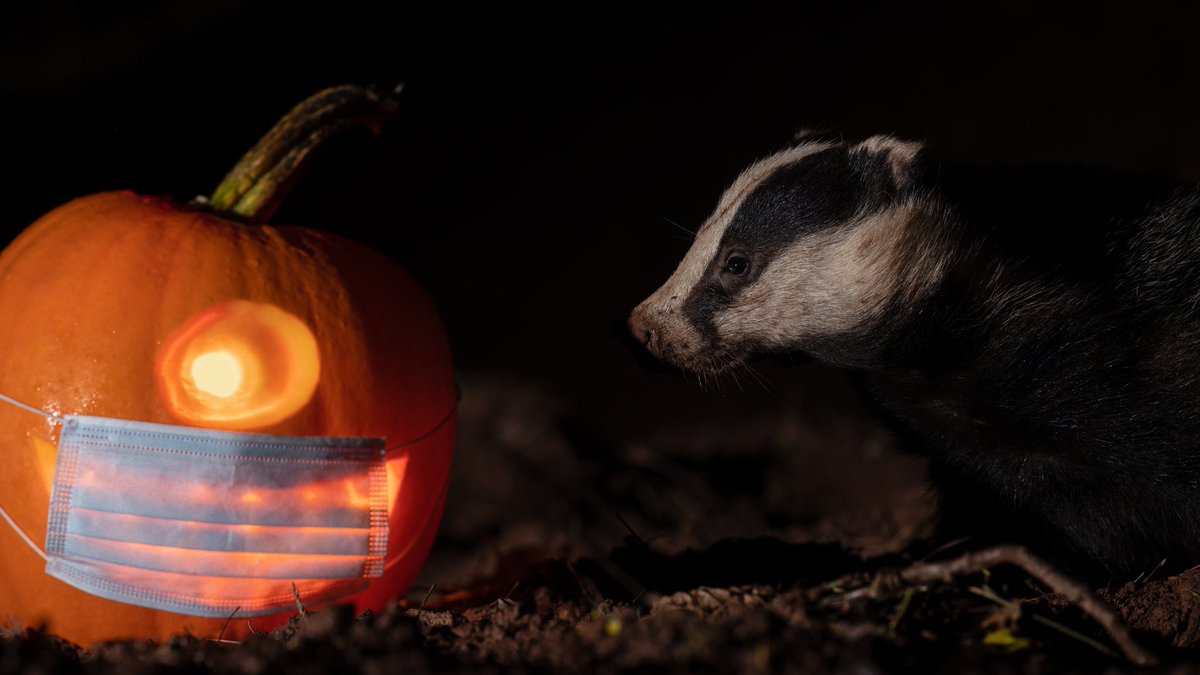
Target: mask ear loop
{"type": "Point", "coordinates": [4, 514]}
{"type": "Point", "coordinates": [28, 408]}
{"type": "Point", "coordinates": [442, 488]}
{"type": "Point", "coordinates": [21, 533]}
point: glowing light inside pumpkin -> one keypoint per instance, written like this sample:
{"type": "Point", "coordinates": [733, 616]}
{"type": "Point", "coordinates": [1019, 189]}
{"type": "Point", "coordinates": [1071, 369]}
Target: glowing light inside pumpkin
{"type": "Point", "coordinates": [238, 365]}
{"type": "Point", "coordinates": [218, 373]}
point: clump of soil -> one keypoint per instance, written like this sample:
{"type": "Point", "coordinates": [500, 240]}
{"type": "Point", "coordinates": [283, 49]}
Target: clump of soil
{"type": "Point", "coordinates": [761, 545]}
{"type": "Point", "coordinates": [1168, 608]}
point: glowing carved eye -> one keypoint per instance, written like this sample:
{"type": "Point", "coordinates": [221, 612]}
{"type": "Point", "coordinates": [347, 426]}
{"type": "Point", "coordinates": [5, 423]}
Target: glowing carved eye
{"type": "Point", "coordinates": [218, 373]}
{"type": "Point", "coordinates": [238, 365]}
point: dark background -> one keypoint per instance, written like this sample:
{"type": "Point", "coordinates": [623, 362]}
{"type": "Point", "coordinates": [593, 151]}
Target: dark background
{"type": "Point", "coordinates": [532, 180]}
{"type": "Point", "coordinates": [539, 158]}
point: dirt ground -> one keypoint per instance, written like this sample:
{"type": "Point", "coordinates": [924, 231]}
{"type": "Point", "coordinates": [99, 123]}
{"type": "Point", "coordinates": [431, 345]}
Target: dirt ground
{"type": "Point", "coordinates": [749, 545]}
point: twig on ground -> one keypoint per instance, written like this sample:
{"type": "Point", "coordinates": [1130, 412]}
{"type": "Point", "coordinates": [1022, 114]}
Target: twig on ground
{"type": "Point", "coordinates": [1144, 577]}
{"type": "Point", "coordinates": [953, 543]}
{"type": "Point", "coordinates": [632, 532]}
{"type": "Point", "coordinates": [901, 609]}
{"type": "Point", "coordinates": [299, 605]}
{"type": "Point", "coordinates": [425, 600]}
{"type": "Point", "coordinates": [221, 635]}
{"type": "Point", "coordinates": [1074, 591]}
{"type": "Point", "coordinates": [587, 588]}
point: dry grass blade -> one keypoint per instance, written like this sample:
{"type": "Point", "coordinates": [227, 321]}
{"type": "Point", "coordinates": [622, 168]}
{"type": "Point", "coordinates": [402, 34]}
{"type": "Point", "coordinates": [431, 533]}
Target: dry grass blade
{"type": "Point", "coordinates": [1074, 591]}
{"type": "Point", "coordinates": [989, 594]}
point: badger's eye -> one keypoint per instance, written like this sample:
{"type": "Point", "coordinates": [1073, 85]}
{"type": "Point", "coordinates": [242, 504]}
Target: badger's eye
{"type": "Point", "coordinates": [737, 265]}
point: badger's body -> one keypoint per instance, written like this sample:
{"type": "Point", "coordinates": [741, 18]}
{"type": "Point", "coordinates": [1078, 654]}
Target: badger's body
{"type": "Point", "coordinates": [1036, 333]}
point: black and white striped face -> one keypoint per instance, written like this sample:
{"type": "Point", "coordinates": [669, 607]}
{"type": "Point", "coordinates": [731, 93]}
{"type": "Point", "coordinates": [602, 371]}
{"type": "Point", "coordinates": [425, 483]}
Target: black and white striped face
{"type": "Point", "coordinates": [808, 246]}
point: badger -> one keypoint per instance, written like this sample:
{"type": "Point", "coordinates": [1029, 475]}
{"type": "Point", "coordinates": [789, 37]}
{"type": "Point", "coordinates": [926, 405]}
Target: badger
{"type": "Point", "coordinates": [1033, 331]}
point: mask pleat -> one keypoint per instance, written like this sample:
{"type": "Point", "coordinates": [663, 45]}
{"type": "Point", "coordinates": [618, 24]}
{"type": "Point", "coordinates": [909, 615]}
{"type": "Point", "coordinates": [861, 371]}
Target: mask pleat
{"type": "Point", "coordinates": [200, 521]}
{"type": "Point", "coordinates": [207, 536]}
{"type": "Point", "coordinates": [217, 563]}
{"type": "Point", "coordinates": [210, 596]}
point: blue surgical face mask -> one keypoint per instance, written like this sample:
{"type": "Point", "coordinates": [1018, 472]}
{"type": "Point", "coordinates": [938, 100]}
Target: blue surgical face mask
{"type": "Point", "coordinates": [207, 523]}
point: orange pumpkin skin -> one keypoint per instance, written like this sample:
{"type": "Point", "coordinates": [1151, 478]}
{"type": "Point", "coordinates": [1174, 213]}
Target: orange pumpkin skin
{"type": "Point", "coordinates": [88, 294]}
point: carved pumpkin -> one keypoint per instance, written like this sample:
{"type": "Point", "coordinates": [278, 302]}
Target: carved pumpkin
{"type": "Point", "coordinates": [134, 307]}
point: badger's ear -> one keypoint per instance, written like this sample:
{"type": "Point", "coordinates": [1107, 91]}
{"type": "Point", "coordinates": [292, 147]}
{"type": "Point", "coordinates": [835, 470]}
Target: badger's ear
{"type": "Point", "coordinates": [900, 156]}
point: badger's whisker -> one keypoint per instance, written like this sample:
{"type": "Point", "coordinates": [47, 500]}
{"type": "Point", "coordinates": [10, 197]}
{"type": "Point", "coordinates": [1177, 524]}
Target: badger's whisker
{"type": "Point", "coordinates": [731, 379]}
{"type": "Point", "coordinates": [691, 233]}
{"type": "Point", "coordinates": [757, 377]}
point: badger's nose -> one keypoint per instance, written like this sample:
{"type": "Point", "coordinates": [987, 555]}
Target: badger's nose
{"type": "Point", "coordinates": [643, 330]}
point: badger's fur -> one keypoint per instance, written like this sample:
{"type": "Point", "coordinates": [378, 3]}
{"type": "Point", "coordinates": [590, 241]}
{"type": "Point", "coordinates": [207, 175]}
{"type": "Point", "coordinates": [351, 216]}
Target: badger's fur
{"type": "Point", "coordinates": [1035, 332]}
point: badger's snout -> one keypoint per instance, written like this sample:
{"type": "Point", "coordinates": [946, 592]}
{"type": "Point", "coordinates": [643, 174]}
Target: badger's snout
{"type": "Point", "coordinates": [644, 330]}
{"type": "Point", "coordinates": [663, 330]}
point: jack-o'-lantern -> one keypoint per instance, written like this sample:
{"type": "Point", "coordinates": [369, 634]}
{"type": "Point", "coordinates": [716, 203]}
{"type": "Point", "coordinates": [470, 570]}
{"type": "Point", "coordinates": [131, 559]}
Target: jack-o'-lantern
{"type": "Point", "coordinates": [192, 329]}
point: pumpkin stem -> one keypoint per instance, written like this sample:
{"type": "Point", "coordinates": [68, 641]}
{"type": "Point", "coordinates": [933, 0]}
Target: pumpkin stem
{"type": "Point", "coordinates": [255, 188]}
